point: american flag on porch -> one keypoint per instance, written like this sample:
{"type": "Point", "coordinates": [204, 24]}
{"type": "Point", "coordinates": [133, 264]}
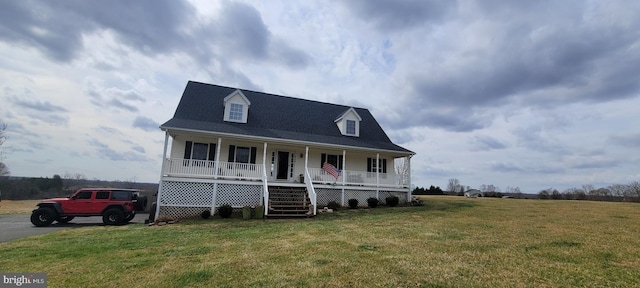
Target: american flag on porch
{"type": "Point", "coordinates": [327, 167]}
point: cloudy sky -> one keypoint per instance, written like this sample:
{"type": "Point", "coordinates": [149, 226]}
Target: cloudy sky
{"type": "Point", "coordinates": [529, 94]}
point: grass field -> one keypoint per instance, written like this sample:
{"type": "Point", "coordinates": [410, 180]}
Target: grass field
{"type": "Point", "coordinates": [449, 242]}
{"type": "Point", "coordinates": [17, 206]}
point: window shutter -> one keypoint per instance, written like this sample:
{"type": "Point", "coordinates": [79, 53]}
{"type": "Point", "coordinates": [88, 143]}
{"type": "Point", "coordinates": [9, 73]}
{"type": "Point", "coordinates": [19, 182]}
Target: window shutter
{"type": "Point", "coordinates": [232, 153]}
{"type": "Point", "coordinates": [384, 165]}
{"type": "Point", "coordinates": [187, 150]}
{"type": "Point", "coordinates": [252, 158]}
{"type": "Point", "coordinates": [212, 152]}
{"type": "Point", "coordinates": [369, 164]}
{"type": "Point", "coordinates": [323, 158]}
{"type": "Point", "coordinates": [340, 160]}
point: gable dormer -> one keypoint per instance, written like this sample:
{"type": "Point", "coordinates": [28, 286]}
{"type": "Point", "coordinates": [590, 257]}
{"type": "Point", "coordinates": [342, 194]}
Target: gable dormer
{"type": "Point", "coordinates": [236, 107]}
{"type": "Point", "coordinates": [349, 123]}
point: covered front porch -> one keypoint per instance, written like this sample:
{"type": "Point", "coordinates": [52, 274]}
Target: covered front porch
{"type": "Point", "coordinates": [189, 168]}
{"type": "Point", "coordinates": [196, 162]}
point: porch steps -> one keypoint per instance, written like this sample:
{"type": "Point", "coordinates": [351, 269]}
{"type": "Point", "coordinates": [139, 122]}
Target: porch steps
{"type": "Point", "coordinates": [285, 202]}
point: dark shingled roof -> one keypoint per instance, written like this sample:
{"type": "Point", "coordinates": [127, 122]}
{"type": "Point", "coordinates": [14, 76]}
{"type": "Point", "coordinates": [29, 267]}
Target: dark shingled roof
{"type": "Point", "coordinates": [202, 108]}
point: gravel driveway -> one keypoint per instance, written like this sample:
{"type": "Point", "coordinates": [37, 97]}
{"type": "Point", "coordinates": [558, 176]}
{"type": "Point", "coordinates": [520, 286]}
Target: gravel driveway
{"type": "Point", "coordinates": [18, 226]}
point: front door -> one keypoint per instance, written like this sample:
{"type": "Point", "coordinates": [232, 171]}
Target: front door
{"type": "Point", "coordinates": [283, 165]}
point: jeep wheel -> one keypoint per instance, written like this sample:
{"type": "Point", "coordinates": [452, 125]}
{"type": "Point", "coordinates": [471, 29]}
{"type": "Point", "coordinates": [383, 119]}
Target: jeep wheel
{"type": "Point", "coordinates": [130, 217]}
{"type": "Point", "coordinates": [113, 216]}
{"type": "Point", "coordinates": [64, 219]}
{"type": "Point", "coordinates": [43, 216]}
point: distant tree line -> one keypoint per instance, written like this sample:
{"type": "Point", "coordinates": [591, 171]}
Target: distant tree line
{"type": "Point", "coordinates": [431, 191]}
{"type": "Point", "coordinates": [26, 188]}
{"type": "Point", "coordinates": [614, 193]}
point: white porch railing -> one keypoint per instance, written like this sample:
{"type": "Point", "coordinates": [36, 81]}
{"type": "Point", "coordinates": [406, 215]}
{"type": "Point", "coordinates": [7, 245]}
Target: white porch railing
{"type": "Point", "coordinates": [246, 171]}
{"type": "Point", "coordinates": [312, 192]}
{"type": "Point", "coordinates": [359, 178]}
{"type": "Point", "coordinates": [204, 168]}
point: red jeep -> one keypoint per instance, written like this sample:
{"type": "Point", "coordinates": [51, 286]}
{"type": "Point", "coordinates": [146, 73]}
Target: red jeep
{"type": "Point", "coordinates": [116, 206]}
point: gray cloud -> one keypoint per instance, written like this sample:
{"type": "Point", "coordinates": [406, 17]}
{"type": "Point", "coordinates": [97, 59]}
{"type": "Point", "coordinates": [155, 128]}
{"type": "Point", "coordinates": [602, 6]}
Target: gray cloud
{"type": "Point", "coordinates": [631, 141]}
{"type": "Point", "coordinates": [109, 130]}
{"type": "Point", "coordinates": [138, 149]}
{"type": "Point", "coordinates": [150, 26]}
{"type": "Point", "coordinates": [536, 138]}
{"type": "Point", "coordinates": [595, 163]}
{"type": "Point", "coordinates": [106, 152]}
{"type": "Point", "coordinates": [146, 124]}
{"type": "Point", "coordinates": [57, 28]}
{"type": "Point", "coordinates": [541, 54]}
{"type": "Point", "coordinates": [538, 168]}
{"type": "Point", "coordinates": [43, 111]}
{"type": "Point", "coordinates": [117, 103]}
{"type": "Point", "coordinates": [36, 25]}
{"type": "Point", "coordinates": [113, 97]}
{"type": "Point", "coordinates": [243, 29]}
{"type": "Point", "coordinates": [486, 143]}
{"type": "Point", "coordinates": [398, 15]}
{"type": "Point", "coordinates": [246, 38]}
{"type": "Point", "coordinates": [39, 106]}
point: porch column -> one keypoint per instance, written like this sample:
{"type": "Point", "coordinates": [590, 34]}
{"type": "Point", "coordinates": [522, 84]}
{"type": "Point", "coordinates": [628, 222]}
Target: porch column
{"type": "Point", "coordinates": [264, 157]}
{"type": "Point", "coordinates": [306, 161]}
{"type": "Point", "coordinates": [164, 159]}
{"type": "Point", "coordinates": [409, 177]}
{"type": "Point", "coordinates": [377, 175]}
{"type": "Point", "coordinates": [216, 164]}
{"type": "Point", "coordinates": [265, 185]}
{"type": "Point", "coordinates": [344, 167]}
{"type": "Point", "coordinates": [344, 173]}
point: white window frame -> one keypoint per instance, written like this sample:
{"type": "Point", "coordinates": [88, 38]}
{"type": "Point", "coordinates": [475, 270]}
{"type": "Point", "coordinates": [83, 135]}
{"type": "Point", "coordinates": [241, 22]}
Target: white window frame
{"type": "Point", "coordinates": [351, 129]}
{"type": "Point", "coordinates": [235, 111]}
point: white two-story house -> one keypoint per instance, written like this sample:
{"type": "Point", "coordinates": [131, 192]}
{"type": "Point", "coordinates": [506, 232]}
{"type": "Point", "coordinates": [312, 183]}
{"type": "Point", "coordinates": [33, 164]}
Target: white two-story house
{"type": "Point", "coordinates": [244, 148]}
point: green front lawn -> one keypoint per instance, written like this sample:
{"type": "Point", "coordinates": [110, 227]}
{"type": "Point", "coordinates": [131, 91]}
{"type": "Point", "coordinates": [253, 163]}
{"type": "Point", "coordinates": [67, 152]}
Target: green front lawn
{"type": "Point", "coordinates": [449, 242]}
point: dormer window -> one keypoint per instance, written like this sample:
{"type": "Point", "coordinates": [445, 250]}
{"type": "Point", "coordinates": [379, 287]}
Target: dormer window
{"type": "Point", "coordinates": [235, 113]}
{"type": "Point", "coordinates": [351, 127]}
{"type": "Point", "coordinates": [236, 107]}
{"type": "Point", "coordinates": [349, 123]}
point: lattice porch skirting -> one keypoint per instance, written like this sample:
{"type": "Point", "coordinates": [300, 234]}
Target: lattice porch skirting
{"type": "Point", "coordinates": [181, 199]}
{"type": "Point", "coordinates": [326, 195]}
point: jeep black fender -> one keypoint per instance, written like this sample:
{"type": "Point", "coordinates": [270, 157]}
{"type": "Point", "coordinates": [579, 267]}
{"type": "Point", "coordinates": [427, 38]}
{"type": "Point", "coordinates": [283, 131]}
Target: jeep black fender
{"type": "Point", "coordinates": [56, 206]}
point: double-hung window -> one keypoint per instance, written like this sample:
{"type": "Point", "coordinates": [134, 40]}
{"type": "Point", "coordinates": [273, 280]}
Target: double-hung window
{"type": "Point", "coordinates": [374, 166]}
{"type": "Point", "coordinates": [235, 112]}
{"type": "Point", "coordinates": [335, 160]}
{"type": "Point", "coordinates": [351, 127]}
{"type": "Point", "coordinates": [246, 155]}
{"type": "Point", "coordinates": [197, 154]}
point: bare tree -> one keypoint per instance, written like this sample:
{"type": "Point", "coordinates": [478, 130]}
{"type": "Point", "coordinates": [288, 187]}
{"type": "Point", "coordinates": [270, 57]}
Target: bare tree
{"type": "Point", "coordinates": [402, 169]}
{"type": "Point", "coordinates": [489, 188]}
{"type": "Point", "coordinates": [587, 188]}
{"type": "Point", "coordinates": [634, 188]}
{"type": "Point", "coordinates": [4, 170]}
{"type": "Point", "coordinates": [454, 185]}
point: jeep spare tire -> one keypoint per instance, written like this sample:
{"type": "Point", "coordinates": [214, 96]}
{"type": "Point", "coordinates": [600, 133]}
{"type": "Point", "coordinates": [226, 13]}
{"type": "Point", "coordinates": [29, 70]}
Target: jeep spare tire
{"type": "Point", "coordinates": [43, 216]}
{"type": "Point", "coordinates": [141, 203]}
{"type": "Point", "coordinates": [113, 216]}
